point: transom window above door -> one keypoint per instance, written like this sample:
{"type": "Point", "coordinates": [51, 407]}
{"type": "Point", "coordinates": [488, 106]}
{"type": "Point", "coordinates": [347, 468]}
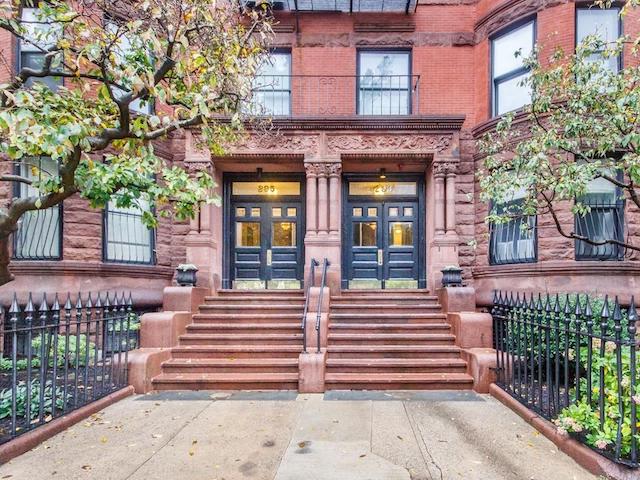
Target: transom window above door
{"type": "Point", "coordinates": [384, 82]}
{"type": "Point", "coordinates": [508, 70]}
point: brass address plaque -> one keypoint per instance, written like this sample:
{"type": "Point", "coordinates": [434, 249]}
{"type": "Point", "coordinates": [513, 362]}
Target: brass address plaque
{"type": "Point", "coordinates": [265, 188]}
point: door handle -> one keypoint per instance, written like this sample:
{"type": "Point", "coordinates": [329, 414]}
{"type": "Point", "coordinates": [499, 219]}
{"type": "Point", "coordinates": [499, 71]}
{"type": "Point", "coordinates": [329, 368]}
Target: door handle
{"type": "Point", "coordinates": [269, 259]}
{"type": "Point", "coordinates": [380, 256]}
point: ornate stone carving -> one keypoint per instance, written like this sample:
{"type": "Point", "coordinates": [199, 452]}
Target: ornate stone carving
{"type": "Point", "coordinates": [193, 167]}
{"type": "Point", "coordinates": [323, 169]}
{"type": "Point", "coordinates": [278, 142]}
{"type": "Point", "coordinates": [410, 143]}
{"type": "Point", "coordinates": [445, 168]}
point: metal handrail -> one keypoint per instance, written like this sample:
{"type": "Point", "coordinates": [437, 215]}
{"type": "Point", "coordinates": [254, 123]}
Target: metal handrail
{"type": "Point", "coordinates": [325, 265]}
{"type": "Point", "coordinates": [310, 283]}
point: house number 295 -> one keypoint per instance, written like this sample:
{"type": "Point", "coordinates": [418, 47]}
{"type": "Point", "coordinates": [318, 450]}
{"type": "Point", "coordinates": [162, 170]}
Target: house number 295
{"type": "Point", "coordinates": [266, 189]}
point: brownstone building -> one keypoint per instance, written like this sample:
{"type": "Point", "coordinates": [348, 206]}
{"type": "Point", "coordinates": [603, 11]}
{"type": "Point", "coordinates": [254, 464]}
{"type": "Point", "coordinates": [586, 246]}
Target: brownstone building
{"type": "Point", "coordinates": [376, 106]}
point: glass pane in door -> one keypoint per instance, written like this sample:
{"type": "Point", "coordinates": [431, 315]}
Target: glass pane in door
{"type": "Point", "coordinates": [248, 234]}
{"type": "Point", "coordinates": [283, 234]}
{"type": "Point", "coordinates": [364, 234]}
{"type": "Point", "coordinates": [401, 234]}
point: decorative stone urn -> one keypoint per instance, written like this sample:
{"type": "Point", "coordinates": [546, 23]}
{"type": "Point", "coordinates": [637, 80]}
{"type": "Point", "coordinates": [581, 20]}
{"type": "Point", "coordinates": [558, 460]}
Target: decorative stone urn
{"type": "Point", "coordinates": [451, 276]}
{"type": "Point", "coordinates": [186, 275]}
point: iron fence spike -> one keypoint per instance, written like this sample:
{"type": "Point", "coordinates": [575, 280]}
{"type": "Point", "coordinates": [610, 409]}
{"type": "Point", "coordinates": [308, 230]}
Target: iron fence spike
{"type": "Point", "coordinates": [56, 303]}
{"type": "Point", "coordinates": [567, 305]}
{"type": "Point", "coordinates": [15, 308]}
{"type": "Point", "coordinates": [89, 303]}
{"type": "Point", "coordinates": [44, 307]}
{"type": "Point", "coordinates": [67, 304]}
{"type": "Point", "coordinates": [587, 309]}
{"type": "Point", "coordinates": [99, 300]}
{"type": "Point", "coordinates": [29, 308]}
{"type": "Point", "coordinates": [578, 310]}
{"type": "Point", "coordinates": [605, 308]}
{"type": "Point", "coordinates": [556, 304]}
{"type": "Point", "coordinates": [79, 301]}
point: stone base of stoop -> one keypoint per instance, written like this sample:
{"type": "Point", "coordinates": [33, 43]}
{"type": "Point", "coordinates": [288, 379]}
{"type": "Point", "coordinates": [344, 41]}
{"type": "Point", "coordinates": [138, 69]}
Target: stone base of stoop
{"type": "Point", "coordinates": [583, 455]}
{"type": "Point", "coordinates": [35, 437]}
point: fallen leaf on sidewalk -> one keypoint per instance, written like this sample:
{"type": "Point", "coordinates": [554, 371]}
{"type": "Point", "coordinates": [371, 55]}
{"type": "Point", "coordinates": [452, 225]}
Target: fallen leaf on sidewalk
{"type": "Point", "coordinates": [86, 467]}
{"type": "Point", "coordinates": [156, 435]}
{"type": "Point", "coordinates": [399, 437]}
{"type": "Point", "coordinates": [104, 440]}
{"type": "Point", "coordinates": [363, 455]}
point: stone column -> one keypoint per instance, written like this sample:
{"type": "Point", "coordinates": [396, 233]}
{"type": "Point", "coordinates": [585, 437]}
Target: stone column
{"type": "Point", "coordinates": [312, 198]}
{"type": "Point", "coordinates": [201, 246]}
{"type": "Point", "coordinates": [334, 197]}
{"type": "Point", "coordinates": [439, 172]}
{"type": "Point", "coordinates": [451, 200]}
{"type": "Point", "coordinates": [323, 203]}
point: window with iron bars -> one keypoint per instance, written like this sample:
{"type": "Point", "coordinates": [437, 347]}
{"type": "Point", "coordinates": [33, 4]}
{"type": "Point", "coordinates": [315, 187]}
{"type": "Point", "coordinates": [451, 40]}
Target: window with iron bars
{"type": "Point", "coordinates": [126, 239]}
{"type": "Point", "coordinates": [384, 82]}
{"type": "Point", "coordinates": [272, 86]}
{"type": "Point", "coordinates": [516, 240]}
{"type": "Point", "coordinates": [39, 233]}
{"type": "Point", "coordinates": [604, 221]}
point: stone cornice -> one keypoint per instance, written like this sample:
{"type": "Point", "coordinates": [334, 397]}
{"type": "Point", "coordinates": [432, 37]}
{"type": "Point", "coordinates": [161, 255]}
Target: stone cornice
{"type": "Point", "coordinates": [97, 269]}
{"type": "Point", "coordinates": [509, 12]}
{"type": "Point", "coordinates": [413, 122]}
{"type": "Point", "coordinates": [564, 268]}
{"type": "Point", "coordinates": [490, 125]}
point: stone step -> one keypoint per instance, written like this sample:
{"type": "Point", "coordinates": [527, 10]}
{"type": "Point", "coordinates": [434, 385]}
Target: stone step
{"type": "Point", "coordinates": [232, 292]}
{"type": "Point", "coordinates": [389, 327]}
{"type": "Point", "coordinates": [215, 328]}
{"type": "Point", "coordinates": [408, 365]}
{"type": "Point", "coordinates": [226, 381]}
{"type": "Point", "coordinates": [244, 299]}
{"type": "Point", "coordinates": [228, 365]}
{"type": "Point", "coordinates": [398, 381]}
{"type": "Point", "coordinates": [391, 308]}
{"type": "Point", "coordinates": [237, 351]}
{"type": "Point", "coordinates": [393, 351]}
{"type": "Point", "coordinates": [240, 339]}
{"type": "Point", "coordinates": [387, 317]}
{"type": "Point", "coordinates": [248, 318]}
{"type": "Point", "coordinates": [391, 339]}
{"type": "Point", "coordinates": [250, 308]}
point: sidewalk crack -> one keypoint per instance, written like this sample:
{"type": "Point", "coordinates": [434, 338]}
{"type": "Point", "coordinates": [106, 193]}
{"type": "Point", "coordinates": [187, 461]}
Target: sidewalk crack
{"type": "Point", "coordinates": [422, 446]}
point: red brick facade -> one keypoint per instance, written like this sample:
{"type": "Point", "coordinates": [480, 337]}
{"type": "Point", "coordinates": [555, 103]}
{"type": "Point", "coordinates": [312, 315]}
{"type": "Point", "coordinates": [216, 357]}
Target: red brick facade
{"type": "Point", "coordinates": [450, 51]}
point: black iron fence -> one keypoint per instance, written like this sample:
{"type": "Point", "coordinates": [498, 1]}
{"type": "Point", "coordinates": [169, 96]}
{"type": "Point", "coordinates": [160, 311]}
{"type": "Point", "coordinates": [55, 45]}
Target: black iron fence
{"type": "Point", "coordinates": [58, 357]}
{"type": "Point", "coordinates": [573, 359]}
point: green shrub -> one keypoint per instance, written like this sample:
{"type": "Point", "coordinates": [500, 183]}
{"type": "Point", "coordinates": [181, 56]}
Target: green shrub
{"type": "Point", "coordinates": [34, 400]}
{"type": "Point", "coordinates": [6, 364]}
{"type": "Point", "coordinates": [583, 417]}
{"type": "Point", "coordinates": [72, 340]}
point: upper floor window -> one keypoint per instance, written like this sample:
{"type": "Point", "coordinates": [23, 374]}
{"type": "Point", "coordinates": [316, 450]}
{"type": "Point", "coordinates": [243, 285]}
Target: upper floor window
{"type": "Point", "coordinates": [605, 221]}
{"type": "Point", "coordinates": [272, 85]}
{"type": "Point", "coordinates": [603, 23]}
{"type": "Point", "coordinates": [38, 236]}
{"type": "Point", "coordinates": [123, 50]}
{"type": "Point", "coordinates": [31, 50]}
{"type": "Point", "coordinates": [126, 238]}
{"type": "Point", "coordinates": [515, 240]}
{"type": "Point", "coordinates": [384, 82]}
{"type": "Point", "coordinates": [508, 69]}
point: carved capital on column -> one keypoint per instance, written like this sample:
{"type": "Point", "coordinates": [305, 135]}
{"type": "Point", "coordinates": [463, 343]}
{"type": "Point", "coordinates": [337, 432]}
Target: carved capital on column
{"type": "Point", "coordinates": [334, 169]}
{"type": "Point", "coordinates": [445, 169]}
{"type": "Point", "coordinates": [313, 169]}
{"type": "Point", "coordinates": [193, 167]}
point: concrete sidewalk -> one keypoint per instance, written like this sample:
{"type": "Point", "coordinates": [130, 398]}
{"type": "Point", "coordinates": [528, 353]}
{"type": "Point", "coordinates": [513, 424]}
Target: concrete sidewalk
{"type": "Point", "coordinates": [285, 436]}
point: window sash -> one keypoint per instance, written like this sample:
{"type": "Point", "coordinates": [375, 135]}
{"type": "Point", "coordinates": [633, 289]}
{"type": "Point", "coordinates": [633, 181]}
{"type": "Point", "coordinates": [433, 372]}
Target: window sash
{"type": "Point", "coordinates": [384, 93]}
{"type": "Point", "coordinates": [272, 86]}
{"type": "Point", "coordinates": [514, 70]}
{"type": "Point", "coordinates": [583, 15]}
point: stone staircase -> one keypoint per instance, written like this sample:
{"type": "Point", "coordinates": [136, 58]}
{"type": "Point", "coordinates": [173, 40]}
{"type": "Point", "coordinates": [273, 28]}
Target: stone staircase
{"type": "Point", "coordinates": [239, 340]}
{"type": "Point", "coordinates": [392, 340]}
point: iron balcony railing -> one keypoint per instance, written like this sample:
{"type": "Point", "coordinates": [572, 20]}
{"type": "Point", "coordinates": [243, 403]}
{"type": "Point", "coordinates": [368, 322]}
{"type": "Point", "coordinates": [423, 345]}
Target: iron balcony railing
{"type": "Point", "coordinates": [57, 356]}
{"type": "Point", "coordinates": [335, 95]}
{"type": "Point", "coordinates": [573, 359]}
